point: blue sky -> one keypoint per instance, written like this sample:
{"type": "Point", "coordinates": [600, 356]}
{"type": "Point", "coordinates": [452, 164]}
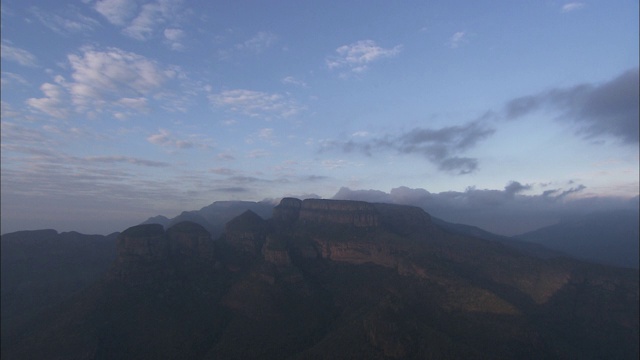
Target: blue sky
{"type": "Point", "coordinates": [116, 110]}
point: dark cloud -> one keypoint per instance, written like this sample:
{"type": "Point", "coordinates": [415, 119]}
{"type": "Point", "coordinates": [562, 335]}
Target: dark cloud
{"type": "Point", "coordinates": [610, 108]}
{"type": "Point", "coordinates": [506, 211]}
{"type": "Point", "coordinates": [439, 146]}
{"type": "Point", "coordinates": [515, 187]}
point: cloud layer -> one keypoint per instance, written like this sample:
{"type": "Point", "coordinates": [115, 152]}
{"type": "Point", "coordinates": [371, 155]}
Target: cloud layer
{"type": "Point", "coordinates": [256, 103]}
{"type": "Point", "coordinates": [112, 80]}
{"type": "Point", "coordinates": [506, 212]}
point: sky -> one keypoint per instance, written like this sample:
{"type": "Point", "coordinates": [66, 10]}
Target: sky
{"type": "Point", "coordinates": [503, 114]}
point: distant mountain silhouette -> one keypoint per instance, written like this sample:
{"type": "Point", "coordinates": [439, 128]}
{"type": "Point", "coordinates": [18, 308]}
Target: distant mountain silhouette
{"type": "Point", "coordinates": [610, 238]}
{"type": "Point", "coordinates": [329, 279]}
{"type": "Point", "coordinates": [529, 248]}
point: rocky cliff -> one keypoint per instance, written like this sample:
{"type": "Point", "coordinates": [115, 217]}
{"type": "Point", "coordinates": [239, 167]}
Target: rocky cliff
{"type": "Point", "coordinates": [146, 253]}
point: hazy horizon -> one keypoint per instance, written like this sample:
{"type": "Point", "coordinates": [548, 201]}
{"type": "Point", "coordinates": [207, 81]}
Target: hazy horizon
{"type": "Point", "coordinates": [114, 111]}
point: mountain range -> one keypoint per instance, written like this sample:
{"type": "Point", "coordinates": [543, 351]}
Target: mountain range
{"type": "Point", "coordinates": [309, 279]}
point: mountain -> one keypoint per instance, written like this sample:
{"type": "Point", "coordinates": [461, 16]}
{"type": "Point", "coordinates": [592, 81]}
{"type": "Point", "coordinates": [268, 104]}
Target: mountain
{"type": "Point", "coordinates": [41, 268]}
{"type": "Point", "coordinates": [213, 217]}
{"type": "Point", "coordinates": [329, 279]}
{"type": "Point", "coordinates": [526, 247]}
{"type": "Point", "coordinates": [605, 237]}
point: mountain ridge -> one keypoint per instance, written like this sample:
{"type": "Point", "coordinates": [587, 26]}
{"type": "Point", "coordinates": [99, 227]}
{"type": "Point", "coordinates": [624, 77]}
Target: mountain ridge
{"type": "Point", "coordinates": [342, 279]}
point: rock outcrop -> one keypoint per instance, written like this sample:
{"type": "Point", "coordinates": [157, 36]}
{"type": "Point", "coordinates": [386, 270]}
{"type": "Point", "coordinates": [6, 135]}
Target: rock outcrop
{"type": "Point", "coordinates": [364, 244]}
{"type": "Point", "coordinates": [246, 233]}
{"type": "Point", "coordinates": [147, 253]}
{"type": "Point", "coordinates": [190, 240]}
{"type": "Point", "coordinates": [401, 219]}
{"type": "Point", "coordinates": [355, 213]}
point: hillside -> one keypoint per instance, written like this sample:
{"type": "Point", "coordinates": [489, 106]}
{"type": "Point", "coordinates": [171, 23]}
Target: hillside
{"type": "Point", "coordinates": [610, 238]}
{"type": "Point", "coordinates": [325, 279]}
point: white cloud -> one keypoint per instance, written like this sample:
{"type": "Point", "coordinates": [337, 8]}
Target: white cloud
{"type": "Point", "coordinates": [260, 42]}
{"type": "Point", "coordinates": [53, 102]}
{"type": "Point", "coordinates": [360, 134]}
{"type": "Point", "coordinates": [456, 39]}
{"type": "Point", "coordinates": [12, 53]}
{"type": "Point", "coordinates": [174, 38]}
{"type": "Point", "coordinates": [572, 6]}
{"type": "Point", "coordinates": [357, 56]}
{"type": "Point", "coordinates": [256, 103]}
{"type": "Point", "coordinates": [142, 27]}
{"type": "Point", "coordinates": [114, 76]}
{"type": "Point", "coordinates": [140, 23]}
{"type": "Point", "coordinates": [293, 81]}
{"type": "Point", "coordinates": [166, 139]}
{"type": "Point", "coordinates": [118, 12]}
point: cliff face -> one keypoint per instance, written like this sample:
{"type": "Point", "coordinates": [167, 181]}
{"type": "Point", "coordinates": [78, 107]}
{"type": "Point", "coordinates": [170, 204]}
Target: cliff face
{"type": "Point", "coordinates": [355, 213]}
{"type": "Point", "coordinates": [146, 253]}
{"type": "Point", "coordinates": [366, 221]}
{"type": "Point", "coordinates": [396, 218]}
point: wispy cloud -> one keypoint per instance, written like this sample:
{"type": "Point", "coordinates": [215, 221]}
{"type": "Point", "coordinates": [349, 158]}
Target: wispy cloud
{"type": "Point", "coordinates": [572, 7]}
{"type": "Point", "coordinates": [113, 159]}
{"type": "Point", "coordinates": [7, 111]}
{"type": "Point", "coordinates": [118, 12]}
{"type": "Point", "coordinates": [12, 53]}
{"type": "Point", "coordinates": [259, 42]}
{"type": "Point", "coordinates": [166, 139]}
{"type": "Point", "coordinates": [290, 80]}
{"type": "Point", "coordinates": [12, 78]}
{"type": "Point", "coordinates": [256, 103]}
{"type": "Point", "coordinates": [140, 22]}
{"type": "Point", "coordinates": [71, 22]}
{"type": "Point", "coordinates": [357, 57]}
{"type": "Point", "coordinates": [457, 39]}
{"type": "Point", "coordinates": [174, 37]}
{"type": "Point", "coordinates": [258, 153]}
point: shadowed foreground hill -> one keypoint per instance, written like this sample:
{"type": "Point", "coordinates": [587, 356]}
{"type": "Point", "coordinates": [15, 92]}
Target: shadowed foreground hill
{"type": "Point", "coordinates": [329, 279]}
{"type": "Point", "coordinates": [42, 268]}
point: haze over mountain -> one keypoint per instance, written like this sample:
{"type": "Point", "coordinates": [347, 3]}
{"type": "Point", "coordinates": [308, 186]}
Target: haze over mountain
{"type": "Point", "coordinates": [606, 237]}
{"type": "Point", "coordinates": [329, 279]}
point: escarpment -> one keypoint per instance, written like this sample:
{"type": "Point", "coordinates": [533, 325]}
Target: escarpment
{"type": "Point", "coordinates": [147, 253]}
{"type": "Point", "coordinates": [355, 232]}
